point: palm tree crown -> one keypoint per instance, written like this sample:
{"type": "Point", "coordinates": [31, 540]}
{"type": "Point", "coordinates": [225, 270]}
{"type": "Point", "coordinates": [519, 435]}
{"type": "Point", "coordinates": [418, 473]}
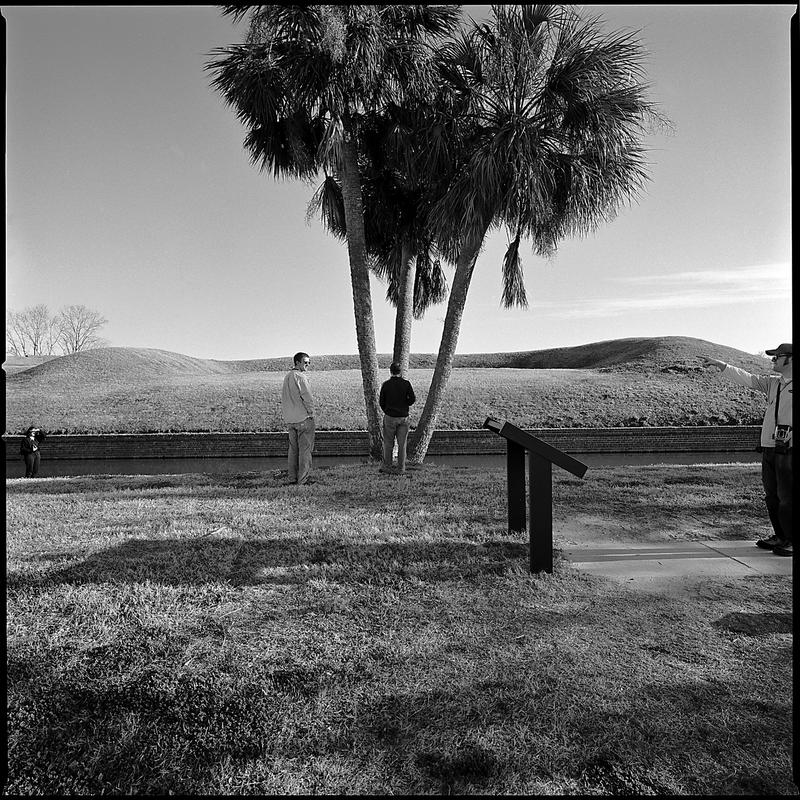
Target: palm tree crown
{"type": "Point", "coordinates": [548, 141]}
{"type": "Point", "coordinates": [307, 74]}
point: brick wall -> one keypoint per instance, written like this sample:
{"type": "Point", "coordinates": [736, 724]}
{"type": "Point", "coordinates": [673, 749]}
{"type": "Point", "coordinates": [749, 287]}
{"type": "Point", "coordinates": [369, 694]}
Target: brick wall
{"type": "Point", "coordinates": [723, 438]}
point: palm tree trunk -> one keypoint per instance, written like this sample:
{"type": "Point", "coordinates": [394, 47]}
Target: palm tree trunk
{"type": "Point", "coordinates": [405, 309]}
{"type": "Point", "coordinates": [362, 294]}
{"type": "Point", "coordinates": [421, 438]}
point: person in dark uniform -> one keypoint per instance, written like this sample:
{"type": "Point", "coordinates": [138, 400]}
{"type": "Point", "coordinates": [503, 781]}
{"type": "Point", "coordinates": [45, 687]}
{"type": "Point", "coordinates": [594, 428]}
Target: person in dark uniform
{"type": "Point", "coordinates": [776, 442]}
{"type": "Point", "coordinates": [396, 396]}
{"type": "Point", "coordinates": [29, 450]}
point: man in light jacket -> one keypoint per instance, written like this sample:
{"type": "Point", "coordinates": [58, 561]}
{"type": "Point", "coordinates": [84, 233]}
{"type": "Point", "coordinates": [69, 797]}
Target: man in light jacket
{"type": "Point", "coordinates": [298, 414]}
{"type": "Point", "coordinates": [776, 441]}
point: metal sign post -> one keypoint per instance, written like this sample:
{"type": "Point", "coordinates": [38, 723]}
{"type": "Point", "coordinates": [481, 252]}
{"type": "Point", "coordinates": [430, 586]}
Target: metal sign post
{"type": "Point", "coordinates": [515, 469]}
{"type": "Point", "coordinates": [541, 457]}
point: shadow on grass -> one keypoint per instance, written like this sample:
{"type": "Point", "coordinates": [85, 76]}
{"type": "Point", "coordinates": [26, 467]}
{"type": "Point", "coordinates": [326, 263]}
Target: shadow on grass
{"type": "Point", "coordinates": [181, 562]}
{"type": "Point", "coordinates": [177, 729]}
{"type": "Point", "coordinates": [668, 738]}
{"type": "Point", "coordinates": [630, 750]}
{"type": "Point", "coordinates": [755, 624]}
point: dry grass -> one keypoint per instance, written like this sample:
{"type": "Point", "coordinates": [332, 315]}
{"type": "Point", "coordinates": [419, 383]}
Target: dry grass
{"type": "Point", "coordinates": [250, 401]}
{"type": "Point", "coordinates": [655, 381]}
{"type": "Point", "coordinates": [227, 634]}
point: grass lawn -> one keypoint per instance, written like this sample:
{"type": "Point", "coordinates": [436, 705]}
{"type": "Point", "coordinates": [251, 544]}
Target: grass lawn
{"type": "Point", "coordinates": [228, 634]}
{"type": "Point", "coordinates": [251, 401]}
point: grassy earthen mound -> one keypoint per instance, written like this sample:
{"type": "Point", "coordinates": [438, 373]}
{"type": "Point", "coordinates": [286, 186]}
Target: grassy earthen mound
{"type": "Point", "coordinates": [624, 382]}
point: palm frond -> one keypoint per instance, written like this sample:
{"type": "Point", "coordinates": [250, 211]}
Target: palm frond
{"type": "Point", "coordinates": [283, 26]}
{"type": "Point", "coordinates": [238, 12]}
{"type": "Point", "coordinates": [388, 266]}
{"type": "Point", "coordinates": [417, 21]}
{"type": "Point", "coordinates": [248, 81]}
{"type": "Point", "coordinates": [286, 147]}
{"type": "Point", "coordinates": [327, 201]}
{"type": "Point", "coordinates": [430, 283]}
{"type": "Point", "coordinates": [535, 15]}
{"type": "Point", "coordinates": [513, 283]}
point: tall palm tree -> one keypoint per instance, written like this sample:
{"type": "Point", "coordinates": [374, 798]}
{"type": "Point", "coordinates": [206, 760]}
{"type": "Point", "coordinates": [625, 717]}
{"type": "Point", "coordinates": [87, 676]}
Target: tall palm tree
{"type": "Point", "coordinates": [547, 141]}
{"type": "Point", "coordinates": [304, 82]}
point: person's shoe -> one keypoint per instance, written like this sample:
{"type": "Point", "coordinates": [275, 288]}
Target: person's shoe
{"type": "Point", "coordinates": [387, 470]}
{"type": "Point", "coordinates": [307, 482]}
{"type": "Point", "coordinates": [769, 544]}
{"type": "Point", "coordinates": [783, 550]}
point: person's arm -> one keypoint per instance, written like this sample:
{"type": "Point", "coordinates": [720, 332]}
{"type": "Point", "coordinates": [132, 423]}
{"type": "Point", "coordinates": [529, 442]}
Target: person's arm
{"type": "Point", "coordinates": [714, 362]}
{"type": "Point", "coordinates": [737, 375]}
{"type": "Point", "coordinates": [411, 398]}
{"type": "Point", "coordinates": [305, 394]}
{"type": "Point", "coordinates": [382, 398]}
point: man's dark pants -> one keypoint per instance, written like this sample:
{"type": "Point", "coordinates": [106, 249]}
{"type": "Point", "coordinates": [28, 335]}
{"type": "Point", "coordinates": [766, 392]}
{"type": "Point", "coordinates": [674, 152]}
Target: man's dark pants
{"type": "Point", "coordinates": [31, 464]}
{"type": "Point", "coordinates": [776, 475]}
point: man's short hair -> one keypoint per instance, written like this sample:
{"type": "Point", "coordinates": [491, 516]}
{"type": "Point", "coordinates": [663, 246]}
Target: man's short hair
{"type": "Point", "coordinates": [394, 368]}
{"type": "Point", "coordinates": [298, 357]}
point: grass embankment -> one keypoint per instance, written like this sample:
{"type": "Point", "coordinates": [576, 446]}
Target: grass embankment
{"type": "Point", "coordinates": [214, 634]}
{"type": "Point", "coordinates": [608, 384]}
{"type": "Point", "coordinates": [252, 402]}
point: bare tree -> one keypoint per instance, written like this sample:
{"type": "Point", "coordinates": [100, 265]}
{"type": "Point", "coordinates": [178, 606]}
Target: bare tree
{"type": "Point", "coordinates": [78, 327]}
{"type": "Point", "coordinates": [16, 342]}
{"type": "Point", "coordinates": [32, 331]}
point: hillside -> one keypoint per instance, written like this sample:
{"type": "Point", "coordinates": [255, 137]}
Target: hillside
{"type": "Point", "coordinates": [117, 364]}
{"type": "Point", "coordinates": [122, 363]}
{"type": "Point", "coordinates": [628, 382]}
{"type": "Point", "coordinates": [15, 364]}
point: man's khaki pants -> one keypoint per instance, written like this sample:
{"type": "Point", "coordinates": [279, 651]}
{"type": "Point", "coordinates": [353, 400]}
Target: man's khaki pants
{"type": "Point", "coordinates": [301, 443]}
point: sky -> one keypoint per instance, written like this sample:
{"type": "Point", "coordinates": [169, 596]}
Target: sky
{"type": "Point", "coordinates": [128, 190]}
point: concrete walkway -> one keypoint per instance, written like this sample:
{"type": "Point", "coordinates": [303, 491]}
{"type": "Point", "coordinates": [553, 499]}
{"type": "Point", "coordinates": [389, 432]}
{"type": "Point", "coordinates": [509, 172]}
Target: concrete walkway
{"type": "Point", "coordinates": [671, 567]}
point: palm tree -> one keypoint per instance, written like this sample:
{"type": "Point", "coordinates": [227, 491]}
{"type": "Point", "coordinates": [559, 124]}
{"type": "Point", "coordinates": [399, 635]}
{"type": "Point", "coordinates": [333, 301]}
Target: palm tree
{"type": "Point", "coordinates": [401, 249]}
{"type": "Point", "coordinates": [406, 260]}
{"type": "Point", "coordinates": [546, 141]}
{"type": "Point", "coordinates": [401, 198]}
{"type": "Point", "coordinates": [304, 82]}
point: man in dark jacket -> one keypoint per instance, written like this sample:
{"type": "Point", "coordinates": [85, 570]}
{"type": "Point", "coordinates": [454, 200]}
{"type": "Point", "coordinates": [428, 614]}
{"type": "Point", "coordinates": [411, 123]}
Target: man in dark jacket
{"type": "Point", "coordinates": [396, 396]}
